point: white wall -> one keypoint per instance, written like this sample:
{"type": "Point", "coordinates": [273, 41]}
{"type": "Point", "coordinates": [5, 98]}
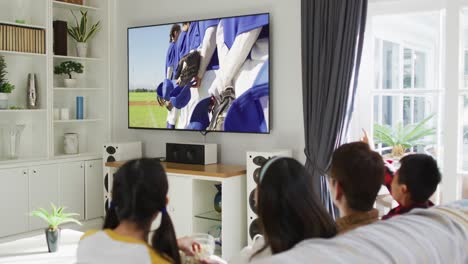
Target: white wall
{"type": "Point", "coordinates": [287, 129]}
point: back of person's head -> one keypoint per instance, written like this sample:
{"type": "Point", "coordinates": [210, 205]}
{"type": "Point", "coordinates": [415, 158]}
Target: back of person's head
{"type": "Point", "coordinates": [174, 29]}
{"type": "Point", "coordinates": [360, 173]}
{"type": "Point", "coordinates": [289, 211]}
{"type": "Point", "coordinates": [419, 172]}
{"type": "Point", "coordinates": [139, 193]}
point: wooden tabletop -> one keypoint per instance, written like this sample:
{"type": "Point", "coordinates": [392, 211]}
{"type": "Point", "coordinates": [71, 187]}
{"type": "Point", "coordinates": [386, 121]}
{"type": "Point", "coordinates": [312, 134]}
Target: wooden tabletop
{"type": "Point", "coordinates": [212, 170]}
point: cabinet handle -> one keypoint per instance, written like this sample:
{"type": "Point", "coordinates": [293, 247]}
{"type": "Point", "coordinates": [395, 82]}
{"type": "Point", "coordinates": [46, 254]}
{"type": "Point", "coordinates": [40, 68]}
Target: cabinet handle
{"type": "Point", "coordinates": [91, 166]}
{"type": "Point", "coordinates": [34, 171]}
{"type": "Point", "coordinates": [25, 172]}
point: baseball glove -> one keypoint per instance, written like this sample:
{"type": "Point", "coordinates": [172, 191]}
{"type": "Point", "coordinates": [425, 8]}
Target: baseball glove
{"type": "Point", "coordinates": [188, 67]}
{"type": "Point", "coordinates": [220, 109]}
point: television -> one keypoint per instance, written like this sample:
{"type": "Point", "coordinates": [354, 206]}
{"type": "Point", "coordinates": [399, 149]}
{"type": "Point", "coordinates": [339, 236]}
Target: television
{"type": "Point", "coordinates": [201, 75]}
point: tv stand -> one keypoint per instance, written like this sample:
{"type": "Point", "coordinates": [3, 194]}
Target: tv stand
{"type": "Point", "coordinates": [191, 201]}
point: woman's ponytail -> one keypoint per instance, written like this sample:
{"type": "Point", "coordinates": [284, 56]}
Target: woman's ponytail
{"type": "Point", "coordinates": [111, 221]}
{"type": "Point", "coordinates": [164, 239]}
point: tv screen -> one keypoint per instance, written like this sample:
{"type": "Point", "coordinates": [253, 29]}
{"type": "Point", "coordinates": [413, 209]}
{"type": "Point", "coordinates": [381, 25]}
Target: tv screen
{"type": "Point", "coordinates": [203, 75]}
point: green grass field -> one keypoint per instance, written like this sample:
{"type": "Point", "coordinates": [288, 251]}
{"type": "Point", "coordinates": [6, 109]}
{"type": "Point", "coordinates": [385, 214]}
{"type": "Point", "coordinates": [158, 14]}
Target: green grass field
{"type": "Point", "coordinates": [146, 116]}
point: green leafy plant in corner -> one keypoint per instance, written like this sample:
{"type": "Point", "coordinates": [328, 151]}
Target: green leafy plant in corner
{"type": "Point", "coordinates": [68, 67]}
{"type": "Point", "coordinates": [80, 31]}
{"type": "Point", "coordinates": [402, 137]}
{"type": "Point", "coordinates": [5, 86]}
{"type": "Point", "coordinates": [55, 218]}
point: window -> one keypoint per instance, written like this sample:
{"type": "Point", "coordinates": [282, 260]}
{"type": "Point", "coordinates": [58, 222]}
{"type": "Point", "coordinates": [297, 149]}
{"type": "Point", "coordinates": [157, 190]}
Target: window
{"type": "Point", "coordinates": [402, 95]}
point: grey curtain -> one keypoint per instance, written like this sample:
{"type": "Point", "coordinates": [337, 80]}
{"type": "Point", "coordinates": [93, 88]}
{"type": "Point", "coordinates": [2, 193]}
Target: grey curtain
{"type": "Point", "coordinates": [332, 40]}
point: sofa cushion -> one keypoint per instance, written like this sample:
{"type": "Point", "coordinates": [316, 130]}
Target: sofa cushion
{"type": "Point", "coordinates": [436, 235]}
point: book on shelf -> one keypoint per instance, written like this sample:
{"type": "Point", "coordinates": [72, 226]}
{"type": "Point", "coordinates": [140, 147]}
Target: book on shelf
{"type": "Point", "coordinates": [22, 39]}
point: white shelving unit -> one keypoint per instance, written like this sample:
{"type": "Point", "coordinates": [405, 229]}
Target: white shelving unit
{"type": "Point", "coordinates": [42, 139]}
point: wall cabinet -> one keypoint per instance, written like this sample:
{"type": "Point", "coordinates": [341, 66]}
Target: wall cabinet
{"type": "Point", "coordinates": [14, 201]}
{"type": "Point", "coordinates": [76, 185]}
{"type": "Point", "coordinates": [94, 187]}
{"type": "Point", "coordinates": [43, 190]}
{"type": "Point", "coordinates": [72, 187]}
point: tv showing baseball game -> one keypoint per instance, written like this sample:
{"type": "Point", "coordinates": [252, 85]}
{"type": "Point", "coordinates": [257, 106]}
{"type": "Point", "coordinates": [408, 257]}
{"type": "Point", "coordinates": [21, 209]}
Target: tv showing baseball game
{"type": "Point", "coordinates": [201, 75]}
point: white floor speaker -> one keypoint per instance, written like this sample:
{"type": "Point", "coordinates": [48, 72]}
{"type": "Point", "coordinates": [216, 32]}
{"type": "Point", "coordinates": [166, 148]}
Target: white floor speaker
{"type": "Point", "coordinates": [255, 160]}
{"type": "Point", "coordinates": [117, 152]}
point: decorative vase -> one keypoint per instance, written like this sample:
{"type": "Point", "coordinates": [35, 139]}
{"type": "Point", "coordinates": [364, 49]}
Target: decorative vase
{"type": "Point", "coordinates": [217, 199]}
{"type": "Point", "coordinates": [82, 49]}
{"type": "Point", "coordinates": [70, 83]}
{"type": "Point", "coordinates": [32, 92]}
{"type": "Point", "coordinates": [53, 239]}
{"type": "Point", "coordinates": [3, 101]}
{"type": "Point", "coordinates": [71, 143]}
{"type": "Point", "coordinates": [12, 138]}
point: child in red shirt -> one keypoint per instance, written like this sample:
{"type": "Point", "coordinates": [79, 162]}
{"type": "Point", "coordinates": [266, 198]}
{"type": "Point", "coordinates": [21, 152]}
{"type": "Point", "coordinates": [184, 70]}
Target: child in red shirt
{"type": "Point", "coordinates": [413, 183]}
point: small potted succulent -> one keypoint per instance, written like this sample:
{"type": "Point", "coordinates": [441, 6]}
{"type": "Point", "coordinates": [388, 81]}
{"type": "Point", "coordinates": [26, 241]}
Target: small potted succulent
{"type": "Point", "coordinates": [82, 34]}
{"type": "Point", "coordinates": [67, 68]}
{"type": "Point", "coordinates": [5, 87]}
{"type": "Point", "coordinates": [54, 219]}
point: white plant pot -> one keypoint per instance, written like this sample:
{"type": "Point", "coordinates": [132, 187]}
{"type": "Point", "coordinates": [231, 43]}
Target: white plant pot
{"type": "Point", "coordinates": [70, 83]}
{"type": "Point", "coordinates": [3, 101]}
{"type": "Point", "coordinates": [82, 49]}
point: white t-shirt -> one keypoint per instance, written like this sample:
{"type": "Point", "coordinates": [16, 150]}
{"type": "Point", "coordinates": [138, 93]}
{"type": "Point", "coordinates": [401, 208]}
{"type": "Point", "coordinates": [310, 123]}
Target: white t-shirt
{"type": "Point", "coordinates": [247, 252]}
{"type": "Point", "coordinates": [106, 246]}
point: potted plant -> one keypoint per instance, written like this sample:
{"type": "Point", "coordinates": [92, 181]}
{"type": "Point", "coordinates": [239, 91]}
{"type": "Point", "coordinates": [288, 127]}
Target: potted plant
{"type": "Point", "coordinates": [5, 87]}
{"type": "Point", "coordinates": [81, 34]}
{"type": "Point", "coordinates": [402, 137]}
{"type": "Point", "coordinates": [67, 68]}
{"type": "Point", "coordinates": [54, 219]}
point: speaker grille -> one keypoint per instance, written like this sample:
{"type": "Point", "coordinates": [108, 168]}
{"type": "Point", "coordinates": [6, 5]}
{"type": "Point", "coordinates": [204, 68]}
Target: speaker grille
{"type": "Point", "coordinates": [252, 202]}
{"type": "Point", "coordinates": [111, 150]}
{"type": "Point", "coordinates": [254, 228]}
{"type": "Point", "coordinates": [110, 159]}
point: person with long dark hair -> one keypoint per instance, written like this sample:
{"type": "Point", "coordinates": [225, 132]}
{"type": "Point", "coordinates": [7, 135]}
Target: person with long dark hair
{"type": "Point", "coordinates": [139, 195]}
{"type": "Point", "coordinates": [288, 210]}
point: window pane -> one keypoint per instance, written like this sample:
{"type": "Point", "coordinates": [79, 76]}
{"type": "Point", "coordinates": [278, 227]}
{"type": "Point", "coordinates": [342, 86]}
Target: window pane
{"type": "Point", "coordinates": [377, 58]}
{"type": "Point", "coordinates": [387, 110]}
{"type": "Point", "coordinates": [464, 129]}
{"type": "Point", "coordinates": [408, 68]}
{"type": "Point", "coordinates": [390, 65]}
{"type": "Point", "coordinates": [419, 70]}
{"type": "Point", "coordinates": [419, 109]}
{"type": "Point", "coordinates": [407, 110]}
{"type": "Point", "coordinates": [376, 109]}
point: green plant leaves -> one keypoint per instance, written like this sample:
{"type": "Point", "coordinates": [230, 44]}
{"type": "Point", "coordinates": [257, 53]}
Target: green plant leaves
{"type": "Point", "coordinates": [56, 218]}
{"type": "Point", "coordinates": [68, 67]}
{"type": "Point", "coordinates": [5, 86]}
{"type": "Point", "coordinates": [79, 31]}
{"type": "Point", "coordinates": [407, 136]}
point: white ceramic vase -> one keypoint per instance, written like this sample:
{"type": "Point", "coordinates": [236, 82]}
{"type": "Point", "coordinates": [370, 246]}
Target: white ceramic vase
{"type": "Point", "coordinates": [71, 143]}
{"type": "Point", "coordinates": [70, 83]}
{"type": "Point", "coordinates": [3, 101]}
{"type": "Point", "coordinates": [82, 49]}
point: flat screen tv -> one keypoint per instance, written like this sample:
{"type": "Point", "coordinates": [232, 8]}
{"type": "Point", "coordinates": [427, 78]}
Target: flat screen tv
{"type": "Point", "coordinates": [202, 75]}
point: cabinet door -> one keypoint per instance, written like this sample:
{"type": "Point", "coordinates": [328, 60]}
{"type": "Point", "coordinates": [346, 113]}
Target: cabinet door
{"type": "Point", "coordinates": [14, 201]}
{"type": "Point", "coordinates": [43, 190]}
{"type": "Point", "coordinates": [94, 188]}
{"type": "Point", "coordinates": [71, 188]}
{"type": "Point", "coordinates": [180, 204]}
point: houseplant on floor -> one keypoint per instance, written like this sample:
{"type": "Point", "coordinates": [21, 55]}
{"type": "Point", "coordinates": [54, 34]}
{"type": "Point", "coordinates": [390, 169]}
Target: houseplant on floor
{"type": "Point", "coordinates": [54, 220]}
{"type": "Point", "coordinates": [81, 34]}
{"type": "Point", "coordinates": [67, 68]}
{"type": "Point", "coordinates": [5, 87]}
{"type": "Point", "coordinates": [402, 138]}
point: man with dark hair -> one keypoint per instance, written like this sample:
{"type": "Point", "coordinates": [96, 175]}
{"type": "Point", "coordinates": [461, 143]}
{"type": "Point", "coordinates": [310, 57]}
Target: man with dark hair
{"type": "Point", "coordinates": [356, 176]}
{"type": "Point", "coordinates": [413, 183]}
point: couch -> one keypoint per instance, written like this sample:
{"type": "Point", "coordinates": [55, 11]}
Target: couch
{"type": "Point", "coordinates": [436, 235]}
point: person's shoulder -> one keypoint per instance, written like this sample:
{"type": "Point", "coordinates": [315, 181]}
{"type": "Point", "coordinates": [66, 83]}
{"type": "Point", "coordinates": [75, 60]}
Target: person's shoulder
{"type": "Point", "coordinates": [157, 258]}
{"type": "Point", "coordinates": [89, 233]}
